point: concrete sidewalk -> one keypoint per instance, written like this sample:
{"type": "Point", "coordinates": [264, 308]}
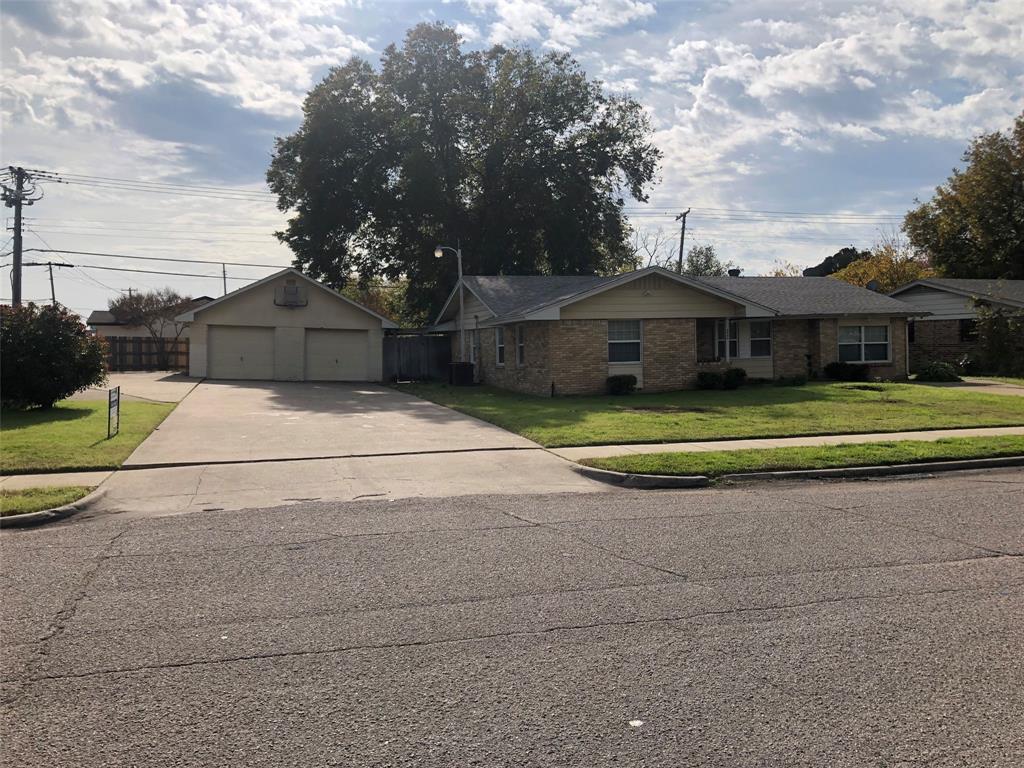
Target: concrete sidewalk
{"type": "Point", "coordinates": [602, 451]}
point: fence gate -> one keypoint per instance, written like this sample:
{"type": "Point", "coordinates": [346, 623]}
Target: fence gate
{"type": "Point", "coordinates": [416, 356]}
{"type": "Point", "coordinates": [144, 353]}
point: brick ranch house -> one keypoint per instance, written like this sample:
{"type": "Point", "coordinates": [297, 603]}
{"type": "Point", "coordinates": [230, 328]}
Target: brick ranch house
{"type": "Point", "coordinates": [553, 335]}
{"type": "Point", "coordinates": [949, 333]}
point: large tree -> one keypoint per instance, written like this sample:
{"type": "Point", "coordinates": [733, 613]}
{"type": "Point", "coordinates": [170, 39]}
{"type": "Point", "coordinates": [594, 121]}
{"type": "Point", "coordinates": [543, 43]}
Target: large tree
{"type": "Point", "coordinates": [841, 259]}
{"type": "Point", "coordinates": [890, 264]}
{"type": "Point", "coordinates": [520, 158]}
{"type": "Point", "coordinates": [703, 261]}
{"type": "Point", "coordinates": [974, 225]}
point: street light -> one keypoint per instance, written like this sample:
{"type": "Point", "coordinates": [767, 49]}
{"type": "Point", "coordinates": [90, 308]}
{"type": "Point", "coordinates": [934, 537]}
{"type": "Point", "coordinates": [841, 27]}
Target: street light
{"type": "Point", "coordinates": [438, 253]}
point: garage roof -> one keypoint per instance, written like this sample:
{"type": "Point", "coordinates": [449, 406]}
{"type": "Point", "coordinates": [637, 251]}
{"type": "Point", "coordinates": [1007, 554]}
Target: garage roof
{"type": "Point", "coordinates": [191, 314]}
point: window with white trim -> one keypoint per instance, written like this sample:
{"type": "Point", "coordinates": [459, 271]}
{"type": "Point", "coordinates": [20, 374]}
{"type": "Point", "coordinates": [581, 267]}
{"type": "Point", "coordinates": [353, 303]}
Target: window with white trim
{"type": "Point", "coordinates": [726, 331]}
{"type": "Point", "coordinates": [624, 341]}
{"type": "Point", "coordinates": [760, 338]}
{"type": "Point", "coordinates": [499, 346]}
{"type": "Point", "coordinates": [520, 345]}
{"type": "Point", "coordinates": [864, 343]}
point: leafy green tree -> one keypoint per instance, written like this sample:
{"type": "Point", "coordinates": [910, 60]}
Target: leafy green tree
{"type": "Point", "coordinates": [890, 264]}
{"type": "Point", "coordinates": [48, 355]}
{"type": "Point", "coordinates": [1001, 339]}
{"type": "Point", "coordinates": [520, 158]}
{"type": "Point", "coordinates": [974, 225]}
{"type": "Point", "coordinates": [841, 259]}
{"type": "Point", "coordinates": [703, 261]}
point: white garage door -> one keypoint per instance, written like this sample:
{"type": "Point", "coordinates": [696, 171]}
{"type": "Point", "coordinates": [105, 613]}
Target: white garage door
{"type": "Point", "coordinates": [333, 355]}
{"type": "Point", "coordinates": [236, 352]}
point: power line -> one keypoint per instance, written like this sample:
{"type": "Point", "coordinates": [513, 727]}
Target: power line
{"type": "Point", "coordinates": [159, 272]}
{"type": "Point", "coordinates": [159, 258]}
{"type": "Point", "coordinates": [205, 187]}
{"type": "Point", "coordinates": [116, 234]}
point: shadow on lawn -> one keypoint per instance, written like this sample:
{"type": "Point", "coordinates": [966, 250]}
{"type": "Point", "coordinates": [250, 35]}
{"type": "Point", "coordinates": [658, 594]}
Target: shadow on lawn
{"type": "Point", "coordinates": [12, 420]}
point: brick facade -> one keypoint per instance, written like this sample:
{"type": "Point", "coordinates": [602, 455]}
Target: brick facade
{"type": "Point", "coordinates": [939, 341]}
{"type": "Point", "coordinates": [534, 375]}
{"type": "Point", "coordinates": [790, 347]}
{"type": "Point", "coordinates": [579, 356]}
{"type": "Point", "coordinates": [570, 357]}
{"type": "Point", "coordinates": [669, 354]}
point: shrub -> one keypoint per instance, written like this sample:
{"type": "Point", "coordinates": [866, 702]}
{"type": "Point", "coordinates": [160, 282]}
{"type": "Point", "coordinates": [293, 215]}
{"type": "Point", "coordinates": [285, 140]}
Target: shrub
{"type": "Point", "coordinates": [791, 381]}
{"type": "Point", "coordinates": [47, 355]}
{"type": "Point", "coordinates": [710, 380]}
{"type": "Point", "coordinates": [840, 371]}
{"type": "Point", "coordinates": [937, 371]}
{"type": "Point", "coordinates": [733, 378]}
{"type": "Point", "coordinates": [622, 384]}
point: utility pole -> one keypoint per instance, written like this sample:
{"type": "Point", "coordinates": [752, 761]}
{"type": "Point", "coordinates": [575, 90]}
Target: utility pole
{"type": "Point", "coordinates": [23, 192]}
{"type": "Point", "coordinates": [224, 274]}
{"type": "Point", "coordinates": [682, 239]}
{"type": "Point", "coordinates": [50, 265]}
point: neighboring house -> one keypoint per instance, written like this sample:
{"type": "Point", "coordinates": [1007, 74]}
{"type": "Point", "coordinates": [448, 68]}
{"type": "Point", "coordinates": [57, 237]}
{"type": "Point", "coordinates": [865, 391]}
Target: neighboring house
{"type": "Point", "coordinates": [550, 335]}
{"type": "Point", "coordinates": [286, 327]}
{"type": "Point", "coordinates": [949, 333]}
{"type": "Point", "coordinates": [103, 323]}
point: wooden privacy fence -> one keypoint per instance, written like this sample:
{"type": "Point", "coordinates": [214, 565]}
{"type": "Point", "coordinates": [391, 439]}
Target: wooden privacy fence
{"type": "Point", "coordinates": [144, 353]}
{"type": "Point", "coordinates": [416, 356]}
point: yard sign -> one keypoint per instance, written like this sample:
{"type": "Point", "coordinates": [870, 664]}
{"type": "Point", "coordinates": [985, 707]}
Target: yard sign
{"type": "Point", "coordinates": [113, 411]}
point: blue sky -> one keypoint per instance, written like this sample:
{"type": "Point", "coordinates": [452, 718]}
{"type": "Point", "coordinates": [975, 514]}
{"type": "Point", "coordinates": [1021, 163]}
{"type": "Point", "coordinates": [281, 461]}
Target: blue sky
{"type": "Point", "coordinates": [846, 108]}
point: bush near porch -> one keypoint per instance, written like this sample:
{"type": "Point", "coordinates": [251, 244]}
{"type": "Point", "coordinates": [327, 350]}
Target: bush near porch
{"type": "Point", "coordinates": [73, 436]}
{"type": "Point", "coordinates": [692, 415]}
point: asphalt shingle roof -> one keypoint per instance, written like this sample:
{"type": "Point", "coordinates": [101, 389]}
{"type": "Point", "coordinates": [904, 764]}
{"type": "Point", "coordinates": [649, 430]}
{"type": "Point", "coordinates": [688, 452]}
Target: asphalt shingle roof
{"type": "Point", "coordinates": [809, 295]}
{"type": "Point", "coordinates": [517, 295]}
{"type": "Point", "coordinates": [1012, 290]}
{"type": "Point", "coordinates": [514, 294]}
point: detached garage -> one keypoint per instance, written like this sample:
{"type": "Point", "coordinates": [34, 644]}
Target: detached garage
{"type": "Point", "coordinates": [286, 327]}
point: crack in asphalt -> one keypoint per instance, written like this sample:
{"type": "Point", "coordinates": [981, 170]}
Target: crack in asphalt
{"type": "Point", "coordinates": [522, 633]}
{"type": "Point", "coordinates": [58, 624]}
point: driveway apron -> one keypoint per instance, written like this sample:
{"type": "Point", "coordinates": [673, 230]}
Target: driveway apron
{"type": "Point", "coordinates": [235, 445]}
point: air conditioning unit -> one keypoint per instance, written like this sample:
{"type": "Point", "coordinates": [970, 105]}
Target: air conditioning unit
{"type": "Point", "coordinates": [291, 294]}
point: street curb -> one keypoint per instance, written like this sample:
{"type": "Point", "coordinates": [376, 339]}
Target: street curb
{"type": "Point", "coordinates": [44, 516]}
{"type": "Point", "coordinates": [878, 471]}
{"type": "Point", "coordinates": [629, 480]}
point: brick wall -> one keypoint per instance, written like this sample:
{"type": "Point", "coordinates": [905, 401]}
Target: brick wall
{"type": "Point", "coordinates": [791, 342]}
{"type": "Point", "coordinates": [534, 376]}
{"type": "Point", "coordinates": [939, 340]}
{"type": "Point", "coordinates": [579, 356]}
{"type": "Point", "coordinates": [669, 354]}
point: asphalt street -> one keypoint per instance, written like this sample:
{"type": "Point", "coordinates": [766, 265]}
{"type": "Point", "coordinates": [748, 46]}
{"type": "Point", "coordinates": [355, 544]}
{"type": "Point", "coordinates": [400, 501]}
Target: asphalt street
{"type": "Point", "coordinates": [871, 623]}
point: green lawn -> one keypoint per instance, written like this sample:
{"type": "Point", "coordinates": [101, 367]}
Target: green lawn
{"type": "Point", "coordinates": [814, 409]}
{"type": "Point", "coordinates": [716, 463]}
{"type": "Point", "coordinates": [35, 499]}
{"type": "Point", "coordinates": [73, 435]}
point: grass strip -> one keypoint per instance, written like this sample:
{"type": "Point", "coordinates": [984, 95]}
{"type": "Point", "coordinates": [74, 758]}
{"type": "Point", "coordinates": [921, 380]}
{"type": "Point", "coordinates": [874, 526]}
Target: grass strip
{"type": "Point", "coordinates": [717, 463]}
{"type": "Point", "coordinates": [757, 412]}
{"type": "Point", "coordinates": [73, 436]}
{"type": "Point", "coordinates": [36, 499]}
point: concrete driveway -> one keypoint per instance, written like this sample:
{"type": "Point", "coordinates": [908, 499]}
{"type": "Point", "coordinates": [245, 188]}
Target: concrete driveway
{"type": "Point", "coordinates": [238, 445]}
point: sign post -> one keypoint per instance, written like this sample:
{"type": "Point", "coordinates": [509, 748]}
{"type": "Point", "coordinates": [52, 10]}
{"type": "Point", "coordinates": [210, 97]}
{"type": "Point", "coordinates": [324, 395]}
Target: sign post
{"type": "Point", "coordinates": [113, 411]}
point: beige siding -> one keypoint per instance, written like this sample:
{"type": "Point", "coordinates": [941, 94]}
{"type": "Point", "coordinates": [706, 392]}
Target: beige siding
{"type": "Point", "coordinates": [942, 304]}
{"type": "Point", "coordinates": [286, 328]}
{"type": "Point", "coordinates": [650, 297]}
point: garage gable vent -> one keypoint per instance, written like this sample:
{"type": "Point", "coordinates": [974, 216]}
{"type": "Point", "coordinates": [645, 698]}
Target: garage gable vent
{"type": "Point", "coordinates": [291, 294]}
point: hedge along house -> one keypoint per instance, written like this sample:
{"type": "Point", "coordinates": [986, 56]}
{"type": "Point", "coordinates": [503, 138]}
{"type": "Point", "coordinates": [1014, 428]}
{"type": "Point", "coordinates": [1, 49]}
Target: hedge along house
{"type": "Point", "coordinates": [286, 327]}
{"type": "Point", "coordinates": [949, 333]}
{"type": "Point", "coordinates": [552, 335]}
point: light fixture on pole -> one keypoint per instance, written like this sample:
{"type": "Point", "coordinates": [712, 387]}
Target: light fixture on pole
{"type": "Point", "coordinates": [438, 253]}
